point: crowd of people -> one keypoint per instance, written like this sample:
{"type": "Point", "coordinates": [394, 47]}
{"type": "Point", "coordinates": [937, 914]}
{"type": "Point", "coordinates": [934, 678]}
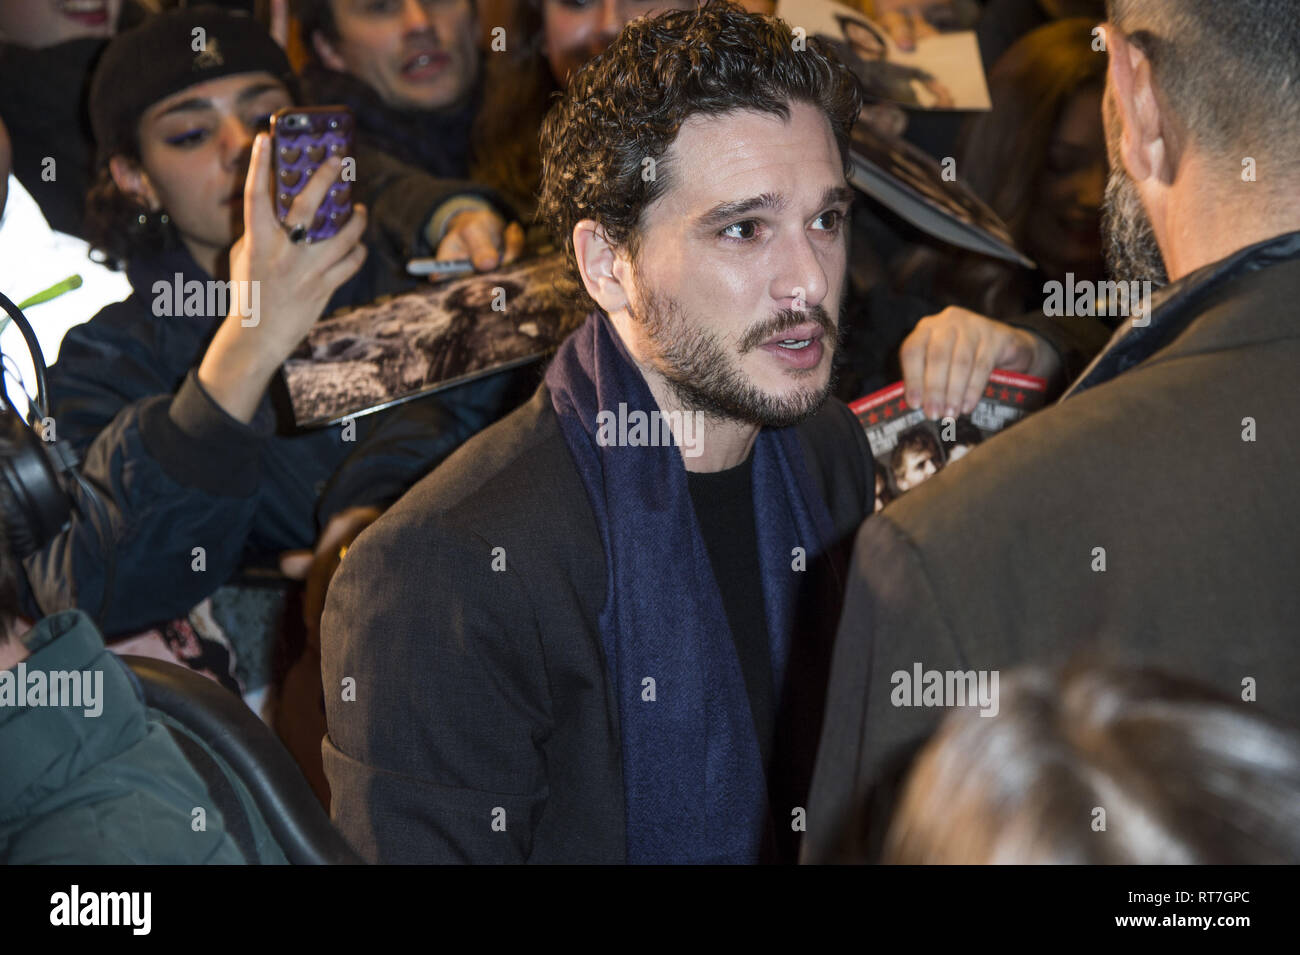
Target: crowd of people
{"type": "Point", "coordinates": [490, 630]}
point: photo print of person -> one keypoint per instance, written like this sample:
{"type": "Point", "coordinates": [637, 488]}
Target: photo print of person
{"type": "Point", "coordinates": [917, 457]}
{"type": "Point", "coordinates": [903, 62]}
{"type": "Point", "coordinates": [427, 339]}
{"type": "Point", "coordinates": [965, 437]}
{"type": "Point", "coordinates": [909, 21]}
{"type": "Point", "coordinates": [862, 48]}
{"type": "Point", "coordinates": [477, 330]}
{"type": "Point", "coordinates": [908, 449]}
{"type": "Point", "coordinates": [884, 493]}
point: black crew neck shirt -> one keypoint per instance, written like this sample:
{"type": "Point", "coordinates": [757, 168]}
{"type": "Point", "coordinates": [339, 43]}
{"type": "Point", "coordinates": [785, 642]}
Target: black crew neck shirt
{"type": "Point", "coordinates": [724, 506]}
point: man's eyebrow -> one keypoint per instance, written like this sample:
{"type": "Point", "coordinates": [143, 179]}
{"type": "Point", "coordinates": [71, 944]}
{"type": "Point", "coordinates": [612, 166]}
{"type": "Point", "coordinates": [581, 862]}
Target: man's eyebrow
{"type": "Point", "coordinates": [727, 212]}
{"type": "Point", "coordinates": [837, 196]}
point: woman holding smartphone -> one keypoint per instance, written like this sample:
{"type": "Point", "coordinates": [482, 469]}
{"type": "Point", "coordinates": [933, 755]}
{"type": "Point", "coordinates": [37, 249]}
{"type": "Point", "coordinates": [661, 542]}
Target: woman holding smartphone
{"type": "Point", "coordinates": [178, 418]}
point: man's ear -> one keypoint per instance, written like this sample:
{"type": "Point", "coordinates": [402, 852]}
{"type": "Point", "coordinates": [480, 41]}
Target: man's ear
{"type": "Point", "coordinates": [326, 53]}
{"type": "Point", "coordinates": [133, 181]}
{"type": "Point", "coordinates": [603, 268]}
{"type": "Point", "coordinates": [1146, 145]}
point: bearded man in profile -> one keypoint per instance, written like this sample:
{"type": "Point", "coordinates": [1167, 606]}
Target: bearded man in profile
{"type": "Point", "coordinates": [1152, 513]}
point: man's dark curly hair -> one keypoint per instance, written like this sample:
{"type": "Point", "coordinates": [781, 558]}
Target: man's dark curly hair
{"type": "Point", "coordinates": [628, 103]}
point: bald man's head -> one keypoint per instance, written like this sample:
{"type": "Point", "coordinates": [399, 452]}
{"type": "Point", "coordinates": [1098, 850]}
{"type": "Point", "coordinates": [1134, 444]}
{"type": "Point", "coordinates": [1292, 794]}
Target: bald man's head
{"type": "Point", "coordinates": [1228, 71]}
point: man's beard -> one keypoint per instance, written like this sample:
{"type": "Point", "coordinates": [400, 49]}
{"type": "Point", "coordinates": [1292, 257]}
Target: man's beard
{"type": "Point", "coordinates": [705, 377]}
{"type": "Point", "coordinates": [1129, 243]}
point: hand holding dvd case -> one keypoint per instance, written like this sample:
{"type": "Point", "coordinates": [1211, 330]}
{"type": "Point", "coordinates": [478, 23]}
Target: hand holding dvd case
{"type": "Point", "coordinates": [909, 448]}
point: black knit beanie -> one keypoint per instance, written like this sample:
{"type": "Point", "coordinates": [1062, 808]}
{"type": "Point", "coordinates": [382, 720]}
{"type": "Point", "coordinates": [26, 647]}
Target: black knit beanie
{"type": "Point", "coordinates": [166, 54]}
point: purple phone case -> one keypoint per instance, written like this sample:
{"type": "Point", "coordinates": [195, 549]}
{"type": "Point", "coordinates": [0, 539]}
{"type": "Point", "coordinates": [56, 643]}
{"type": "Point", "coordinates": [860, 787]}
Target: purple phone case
{"type": "Point", "coordinates": [299, 152]}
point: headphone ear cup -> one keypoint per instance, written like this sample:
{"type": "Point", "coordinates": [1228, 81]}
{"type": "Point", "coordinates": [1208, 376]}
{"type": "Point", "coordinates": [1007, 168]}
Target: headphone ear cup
{"type": "Point", "coordinates": [33, 502]}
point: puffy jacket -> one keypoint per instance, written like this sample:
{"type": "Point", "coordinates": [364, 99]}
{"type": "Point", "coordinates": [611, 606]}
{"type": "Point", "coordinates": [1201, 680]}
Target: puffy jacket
{"type": "Point", "coordinates": [99, 784]}
{"type": "Point", "coordinates": [176, 473]}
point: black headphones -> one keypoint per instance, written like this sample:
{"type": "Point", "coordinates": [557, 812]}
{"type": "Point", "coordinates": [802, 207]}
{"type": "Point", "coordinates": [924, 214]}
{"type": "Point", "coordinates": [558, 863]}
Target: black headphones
{"type": "Point", "coordinates": [36, 503]}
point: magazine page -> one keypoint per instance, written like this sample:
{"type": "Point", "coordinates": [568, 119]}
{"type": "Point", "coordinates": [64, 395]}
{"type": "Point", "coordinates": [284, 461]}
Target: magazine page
{"type": "Point", "coordinates": [428, 339]}
{"type": "Point", "coordinates": [942, 70]}
{"type": "Point", "coordinates": [909, 449]}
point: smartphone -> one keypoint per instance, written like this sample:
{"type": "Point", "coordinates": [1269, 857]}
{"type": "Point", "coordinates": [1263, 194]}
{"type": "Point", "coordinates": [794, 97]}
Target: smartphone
{"type": "Point", "coordinates": [302, 138]}
{"type": "Point", "coordinates": [440, 271]}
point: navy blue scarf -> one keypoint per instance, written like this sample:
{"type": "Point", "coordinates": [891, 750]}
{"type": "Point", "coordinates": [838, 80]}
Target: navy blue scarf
{"type": "Point", "coordinates": [692, 770]}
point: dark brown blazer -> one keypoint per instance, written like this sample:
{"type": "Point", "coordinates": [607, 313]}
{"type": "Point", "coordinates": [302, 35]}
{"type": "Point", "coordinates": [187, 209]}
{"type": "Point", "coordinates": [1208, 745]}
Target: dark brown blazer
{"type": "Point", "coordinates": [990, 564]}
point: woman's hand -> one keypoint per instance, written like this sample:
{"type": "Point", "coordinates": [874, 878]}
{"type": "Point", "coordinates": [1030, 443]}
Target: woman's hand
{"type": "Point", "coordinates": [278, 287]}
{"type": "Point", "coordinates": [483, 237]}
